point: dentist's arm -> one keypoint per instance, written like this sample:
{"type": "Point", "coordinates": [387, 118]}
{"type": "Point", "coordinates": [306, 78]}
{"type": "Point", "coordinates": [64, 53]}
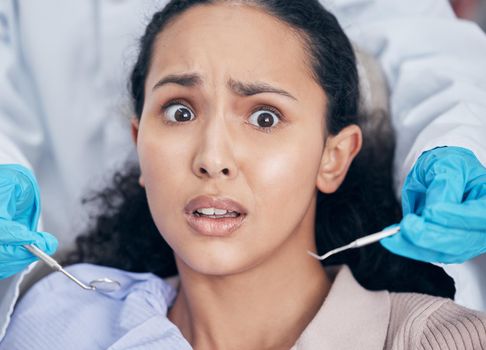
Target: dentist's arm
{"type": "Point", "coordinates": [21, 142]}
{"type": "Point", "coordinates": [435, 69]}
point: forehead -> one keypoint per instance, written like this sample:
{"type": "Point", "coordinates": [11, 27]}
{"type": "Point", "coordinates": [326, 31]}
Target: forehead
{"type": "Point", "coordinates": [233, 41]}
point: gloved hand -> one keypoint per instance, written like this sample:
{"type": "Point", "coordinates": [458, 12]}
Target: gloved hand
{"type": "Point", "coordinates": [19, 214]}
{"type": "Point", "coordinates": [444, 208]}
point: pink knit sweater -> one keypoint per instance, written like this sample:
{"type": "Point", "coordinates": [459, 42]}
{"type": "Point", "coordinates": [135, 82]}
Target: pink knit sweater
{"type": "Point", "coordinates": [354, 318]}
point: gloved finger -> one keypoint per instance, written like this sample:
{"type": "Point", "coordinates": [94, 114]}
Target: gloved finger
{"type": "Point", "coordinates": [469, 215]}
{"type": "Point", "coordinates": [447, 185]}
{"type": "Point", "coordinates": [19, 196]}
{"type": "Point", "coordinates": [46, 242]}
{"type": "Point", "coordinates": [449, 241]}
{"type": "Point", "coordinates": [10, 270]}
{"type": "Point", "coordinates": [11, 254]}
{"type": "Point", "coordinates": [9, 273]}
{"type": "Point", "coordinates": [413, 194]}
{"type": "Point", "coordinates": [13, 234]}
{"type": "Point", "coordinates": [399, 245]}
{"type": "Point", "coordinates": [476, 189]}
{"type": "Point", "coordinates": [7, 199]}
{"type": "Point", "coordinates": [440, 183]}
{"type": "Point", "coordinates": [15, 258]}
{"type": "Point", "coordinates": [17, 266]}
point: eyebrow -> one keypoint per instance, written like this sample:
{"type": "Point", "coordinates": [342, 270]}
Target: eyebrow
{"type": "Point", "coordinates": [188, 80]}
{"type": "Point", "coordinates": [240, 88]}
{"type": "Point", "coordinates": [250, 89]}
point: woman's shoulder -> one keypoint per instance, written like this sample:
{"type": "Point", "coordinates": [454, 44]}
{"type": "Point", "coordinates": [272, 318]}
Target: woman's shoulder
{"type": "Point", "coordinates": [419, 321]}
{"type": "Point", "coordinates": [58, 285]}
{"type": "Point", "coordinates": [57, 313]}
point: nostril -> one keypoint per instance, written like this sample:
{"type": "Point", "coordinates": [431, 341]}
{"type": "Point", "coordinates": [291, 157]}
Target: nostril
{"type": "Point", "coordinates": [205, 172]}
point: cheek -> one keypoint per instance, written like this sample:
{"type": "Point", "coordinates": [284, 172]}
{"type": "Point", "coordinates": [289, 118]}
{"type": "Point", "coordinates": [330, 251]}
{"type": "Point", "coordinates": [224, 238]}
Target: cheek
{"type": "Point", "coordinates": [163, 166]}
{"type": "Point", "coordinates": [160, 153]}
{"type": "Point", "coordinates": [163, 172]}
{"type": "Point", "coordinates": [157, 161]}
{"type": "Point", "coordinates": [283, 180]}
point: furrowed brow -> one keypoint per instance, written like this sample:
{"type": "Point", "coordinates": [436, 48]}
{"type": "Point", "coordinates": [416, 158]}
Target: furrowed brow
{"type": "Point", "coordinates": [250, 89]}
{"type": "Point", "coordinates": [187, 80]}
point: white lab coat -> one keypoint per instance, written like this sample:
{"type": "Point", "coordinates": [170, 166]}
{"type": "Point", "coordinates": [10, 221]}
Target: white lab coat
{"type": "Point", "coordinates": [64, 106]}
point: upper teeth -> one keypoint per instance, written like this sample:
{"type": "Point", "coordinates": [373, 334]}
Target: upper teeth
{"type": "Point", "coordinates": [212, 211]}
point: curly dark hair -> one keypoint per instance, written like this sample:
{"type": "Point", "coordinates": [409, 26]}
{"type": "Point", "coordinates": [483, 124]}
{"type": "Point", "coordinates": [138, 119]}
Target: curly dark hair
{"type": "Point", "coordinates": [124, 235]}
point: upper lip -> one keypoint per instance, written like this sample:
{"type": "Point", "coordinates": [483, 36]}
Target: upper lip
{"type": "Point", "coordinates": [214, 202]}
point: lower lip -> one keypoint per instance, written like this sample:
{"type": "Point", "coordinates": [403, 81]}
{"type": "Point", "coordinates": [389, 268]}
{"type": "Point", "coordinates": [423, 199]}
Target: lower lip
{"type": "Point", "coordinates": [215, 227]}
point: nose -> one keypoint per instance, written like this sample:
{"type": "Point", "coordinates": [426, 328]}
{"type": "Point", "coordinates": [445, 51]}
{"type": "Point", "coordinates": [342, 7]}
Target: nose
{"type": "Point", "coordinates": [214, 156]}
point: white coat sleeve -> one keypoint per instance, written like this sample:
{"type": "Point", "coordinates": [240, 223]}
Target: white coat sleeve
{"type": "Point", "coordinates": [435, 69]}
{"type": "Point", "coordinates": [21, 136]}
{"type": "Point", "coordinates": [435, 66]}
{"type": "Point", "coordinates": [21, 131]}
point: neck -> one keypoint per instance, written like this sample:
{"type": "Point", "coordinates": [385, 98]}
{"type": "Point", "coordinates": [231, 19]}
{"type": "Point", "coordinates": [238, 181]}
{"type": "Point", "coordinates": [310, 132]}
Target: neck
{"type": "Point", "coordinates": [264, 307]}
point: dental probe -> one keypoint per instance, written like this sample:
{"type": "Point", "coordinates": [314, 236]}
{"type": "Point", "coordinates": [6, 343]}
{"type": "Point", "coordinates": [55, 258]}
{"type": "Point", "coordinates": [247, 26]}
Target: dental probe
{"type": "Point", "coordinates": [360, 242]}
{"type": "Point", "coordinates": [100, 284]}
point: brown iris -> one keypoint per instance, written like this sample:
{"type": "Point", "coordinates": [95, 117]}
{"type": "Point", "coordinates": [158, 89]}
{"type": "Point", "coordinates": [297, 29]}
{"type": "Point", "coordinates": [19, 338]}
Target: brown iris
{"type": "Point", "coordinates": [265, 120]}
{"type": "Point", "coordinates": [182, 115]}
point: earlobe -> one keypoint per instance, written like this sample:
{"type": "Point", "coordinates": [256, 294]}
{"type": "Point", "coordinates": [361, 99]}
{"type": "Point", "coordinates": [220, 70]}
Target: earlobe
{"type": "Point", "coordinates": [134, 129]}
{"type": "Point", "coordinates": [141, 181]}
{"type": "Point", "coordinates": [338, 154]}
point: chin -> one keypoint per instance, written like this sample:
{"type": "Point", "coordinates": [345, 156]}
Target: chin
{"type": "Point", "coordinates": [217, 262]}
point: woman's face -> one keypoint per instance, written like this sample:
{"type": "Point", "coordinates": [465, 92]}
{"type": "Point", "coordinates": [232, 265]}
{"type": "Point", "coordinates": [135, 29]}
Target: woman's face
{"type": "Point", "coordinates": [231, 139]}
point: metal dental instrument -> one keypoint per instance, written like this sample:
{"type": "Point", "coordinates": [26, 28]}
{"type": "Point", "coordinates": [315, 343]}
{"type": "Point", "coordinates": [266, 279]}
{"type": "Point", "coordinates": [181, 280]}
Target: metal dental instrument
{"type": "Point", "coordinates": [360, 242]}
{"type": "Point", "coordinates": [100, 284]}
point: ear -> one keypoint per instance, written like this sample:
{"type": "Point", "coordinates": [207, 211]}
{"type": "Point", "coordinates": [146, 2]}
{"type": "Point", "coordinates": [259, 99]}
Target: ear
{"type": "Point", "coordinates": [134, 130]}
{"type": "Point", "coordinates": [338, 154]}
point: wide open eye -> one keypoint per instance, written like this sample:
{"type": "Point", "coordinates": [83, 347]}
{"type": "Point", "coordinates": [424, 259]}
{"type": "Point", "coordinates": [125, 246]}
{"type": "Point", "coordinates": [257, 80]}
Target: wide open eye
{"type": "Point", "coordinates": [177, 113]}
{"type": "Point", "coordinates": [264, 119]}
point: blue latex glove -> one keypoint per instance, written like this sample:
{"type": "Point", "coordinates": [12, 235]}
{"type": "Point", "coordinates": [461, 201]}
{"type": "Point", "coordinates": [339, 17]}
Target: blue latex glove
{"type": "Point", "coordinates": [444, 208]}
{"type": "Point", "coordinates": [19, 214]}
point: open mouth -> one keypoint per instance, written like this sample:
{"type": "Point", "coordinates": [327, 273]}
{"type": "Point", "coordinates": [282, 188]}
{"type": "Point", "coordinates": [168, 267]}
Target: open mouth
{"type": "Point", "coordinates": [214, 216]}
{"type": "Point", "coordinates": [214, 213]}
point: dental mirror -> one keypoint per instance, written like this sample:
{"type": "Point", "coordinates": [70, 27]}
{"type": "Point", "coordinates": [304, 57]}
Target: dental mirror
{"type": "Point", "coordinates": [104, 284]}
